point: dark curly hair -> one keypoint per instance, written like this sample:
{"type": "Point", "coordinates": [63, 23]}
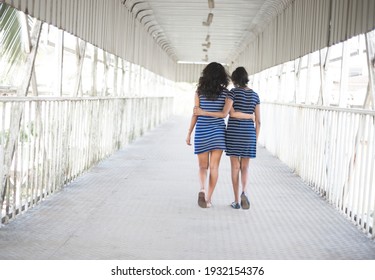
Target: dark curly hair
{"type": "Point", "coordinates": [240, 77]}
{"type": "Point", "coordinates": [213, 80]}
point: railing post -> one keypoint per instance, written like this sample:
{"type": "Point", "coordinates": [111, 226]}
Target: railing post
{"type": "Point", "coordinates": [370, 47]}
{"type": "Point", "coordinates": [59, 51]}
{"type": "Point", "coordinates": [80, 57]}
{"type": "Point", "coordinates": [323, 59]}
{"type": "Point", "coordinates": [343, 92]}
{"type": "Point", "coordinates": [94, 75]}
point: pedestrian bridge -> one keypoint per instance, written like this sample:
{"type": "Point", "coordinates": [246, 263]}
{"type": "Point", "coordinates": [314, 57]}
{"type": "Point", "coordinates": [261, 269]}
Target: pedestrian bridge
{"type": "Point", "coordinates": [141, 203]}
{"type": "Point", "coordinates": [94, 115]}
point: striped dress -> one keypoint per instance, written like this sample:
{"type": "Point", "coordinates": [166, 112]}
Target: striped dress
{"type": "Point", "coordinates": [210, 131]}
{"type": "Point", "coordinates": [240, 134]}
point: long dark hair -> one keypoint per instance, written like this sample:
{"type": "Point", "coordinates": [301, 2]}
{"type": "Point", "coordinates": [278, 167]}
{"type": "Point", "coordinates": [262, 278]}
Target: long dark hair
{"type": "Point", "coordinates": [213, 80]}
{"type": "Point", "coordinates": [240, 77]}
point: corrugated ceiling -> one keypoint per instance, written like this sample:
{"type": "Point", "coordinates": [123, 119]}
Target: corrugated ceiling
{"type": "Point", "coordinates": [179, 24]}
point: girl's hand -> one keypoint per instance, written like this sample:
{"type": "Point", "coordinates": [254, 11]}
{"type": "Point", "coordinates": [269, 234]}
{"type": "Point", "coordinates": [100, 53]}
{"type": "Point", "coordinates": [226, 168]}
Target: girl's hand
{"type": "Point", "coordinates": [188, 137]}
{"type": "Point", "coordinates": [198, 111]}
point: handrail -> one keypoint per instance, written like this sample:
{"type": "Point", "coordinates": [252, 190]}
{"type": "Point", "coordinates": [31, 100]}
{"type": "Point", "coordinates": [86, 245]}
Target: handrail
{"type": "Point", "coordinates": [57, 98]}
{"type": "Point", "coordinates": [327, 108]}
{"type": "Point", "coordinates": [46, 142]}
{"type": "Point", "coordinates": [331, 149]}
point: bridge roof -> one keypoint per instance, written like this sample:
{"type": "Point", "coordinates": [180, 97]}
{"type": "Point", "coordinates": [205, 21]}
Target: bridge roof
{"type": "Point", "coordinates": [157, 34]}
{"type": "Point", "coordinates": [196, 28]}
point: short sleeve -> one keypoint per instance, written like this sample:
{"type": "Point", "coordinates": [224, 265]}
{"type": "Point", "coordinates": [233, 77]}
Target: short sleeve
{"type": "Point", "coordinates": [257, 100]}
{"type": "Point", "coordinates": [231, 94]}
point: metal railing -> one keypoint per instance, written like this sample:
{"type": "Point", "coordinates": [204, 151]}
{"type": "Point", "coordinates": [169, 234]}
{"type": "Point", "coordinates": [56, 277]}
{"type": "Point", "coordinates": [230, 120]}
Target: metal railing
{"type": "Point", "coordinates": [332, 149]}
{"type": "Point", "coordinates": [59, 138]}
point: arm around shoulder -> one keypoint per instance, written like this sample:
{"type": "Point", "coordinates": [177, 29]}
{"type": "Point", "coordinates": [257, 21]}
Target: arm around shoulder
{"type": "Point", "coordinates": [240, 115]}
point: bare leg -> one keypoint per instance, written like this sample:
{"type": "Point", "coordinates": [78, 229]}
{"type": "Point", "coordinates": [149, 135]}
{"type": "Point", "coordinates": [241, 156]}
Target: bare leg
{"type": "Point", "coordinates": [245, 162]}
{"type": "Point", "coordinates": [203, 160]}
{"type": "Point", "coordinates": [235, 168]}
{"type": "Point", "coordinates": [203, 169]}
{"type": "Point", "coordinates": [215, 157]}
{"type": "Point", "coordinates": [245, 203]}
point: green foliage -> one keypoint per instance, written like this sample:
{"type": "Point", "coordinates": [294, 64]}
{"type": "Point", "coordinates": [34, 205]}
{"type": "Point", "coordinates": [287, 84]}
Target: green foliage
{"type": "Point", "coordinates": [11, 52]}
{"type": "Point", "coordinates": [24, 135]}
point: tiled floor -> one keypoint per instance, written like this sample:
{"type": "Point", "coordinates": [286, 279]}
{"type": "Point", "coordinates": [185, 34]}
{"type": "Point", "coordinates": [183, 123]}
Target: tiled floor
{"type": "Point", "coordinates": [141, 203]}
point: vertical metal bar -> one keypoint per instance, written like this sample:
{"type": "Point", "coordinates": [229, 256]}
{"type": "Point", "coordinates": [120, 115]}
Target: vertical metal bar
{"type": "Point", "coordinates": [344, 76]}
{"type": "Point", "coordinates": [58, 148]}
{"type": "Point", "coordinates": [80, 57]}
{"type": "Point", "coordinates": [72, 151]}
{"type": "Point", "coordinates": [368, 170]}
{"type": "Point", "coordinates": [336, 184]}
{"type": "Point", "coordinates": [356, 170]}
{"type": "Point", "coordinates": [13, 190]}
{"type": "Point", "coordinates": [348, 193]}
{"type": "Point", "coordinates": [345, 159]}
{"type": "Point", "coordinates": [115, 77]}
{"type": "Point", "coordinates": [28, 130]}
{"type": "Point", "coordinates": [24, 138]}
{"type": "Point", "coordinates": [80, 134]}
{"type": "Point", "coordinates": [69, 118]}
{"type": "Point", "coordinates": [3, 107]}
{"type": "Point", "coordinates": [371, 197]}
{"type": "Point", "coordinates": [94, 71]}
{"type": "Point", "coordinates": [59, 52]}
{"type": "Point", "coordinates": [321, 142]}
{"type": "Point", "coordinates": [122, 85]}
{"type": "Point", "coordinates": [55, 146]}
{"type": "Point", "coordinates": [64, 136]}
{"type": "Point", "coordinates": [370, 54]}
{"type": "Point", "coordinates": [42, 148]}
{"type": "Point", "coordinates": [308, 80]}
{"type": "Point", "coordinates": [363, 167]}
{"type": "Point", "coordinates": [45, 148]}
{"type": "Point", "coordinates": [35, 153]}
{"type": "Point", "coordinates": [333, 150]}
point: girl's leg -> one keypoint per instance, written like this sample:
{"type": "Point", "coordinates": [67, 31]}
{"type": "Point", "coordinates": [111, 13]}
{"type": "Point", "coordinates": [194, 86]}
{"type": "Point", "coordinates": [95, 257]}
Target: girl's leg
{"type": "Point", "coordinates": [203, 161]}
{"type": "Point", "coordinates": [245, 162]}
{"type": "Point", "coordinates": [214, 162]}
{"type": "Point", "coordinates": [245, 203]}
{"type": "Point", "coordinates": [235, 170]}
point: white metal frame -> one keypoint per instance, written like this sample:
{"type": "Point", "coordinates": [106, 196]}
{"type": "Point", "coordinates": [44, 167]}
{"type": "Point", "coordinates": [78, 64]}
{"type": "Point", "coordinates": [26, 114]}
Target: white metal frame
{"type": "Point", "coordinates": [330, 147]}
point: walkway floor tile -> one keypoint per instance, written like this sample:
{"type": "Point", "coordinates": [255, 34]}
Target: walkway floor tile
{"type": "Point", "coordinates": [141, 203]}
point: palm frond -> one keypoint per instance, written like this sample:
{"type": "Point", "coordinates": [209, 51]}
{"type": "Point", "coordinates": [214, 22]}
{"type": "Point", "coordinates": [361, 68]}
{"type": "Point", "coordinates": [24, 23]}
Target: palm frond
{"type": "Point", "coordinates": [11, 51]}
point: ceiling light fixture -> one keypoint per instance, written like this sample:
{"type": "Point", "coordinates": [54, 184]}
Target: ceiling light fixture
{"type": "Point", "coordinates": [209, 19]}
{"type": "Point", "coordinates": [211, 4]}
{"type": "Point", "coordinates": [207, 45]}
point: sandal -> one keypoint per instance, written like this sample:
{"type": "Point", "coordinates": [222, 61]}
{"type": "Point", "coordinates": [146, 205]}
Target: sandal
{"type": "Point", "coordinates": [202, 199]}
{"type": "Point", "coordinates": [235, 205]}
{"type": "Point", "coordinates": [245, 203]}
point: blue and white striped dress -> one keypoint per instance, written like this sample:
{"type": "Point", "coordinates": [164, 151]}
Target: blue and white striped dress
{"type": "Point", "coordinates": [210, 131]}
{"type": "Point", "coordinates": [240, 135]}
